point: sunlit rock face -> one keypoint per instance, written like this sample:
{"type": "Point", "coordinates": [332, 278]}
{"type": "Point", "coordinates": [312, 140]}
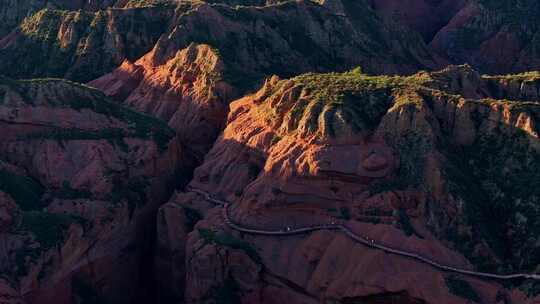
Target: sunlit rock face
{"type": "Point", "coordinates": [384, 156]}
{"type": "Point", "coordinates": [341, 172]}
{"type": "Point", "coordinates": [212, 54]}
{"type": "Point", "coordinates": [440, 163]}
{"type": "Point", "coordinates": [80, 45]}
{"type": "Point", "coordinates": [14, 11]}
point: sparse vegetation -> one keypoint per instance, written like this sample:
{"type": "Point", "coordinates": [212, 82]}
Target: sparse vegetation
{"type": "Point", "coordinates": [276, 139]}
{"type": "Point", "coordinates": [227, 293]}
{"type": "Point", "coordinates": [113, 136]}
{"type": "Point", "coordinates": [405, 223]}
{"type": "Point", "coordinates": [192, 215]}
{"type": "Point", "coordinates": [25, 191]}
{"type": "Point", "coordinates": [80, 97]}
{"type": "Point", "coordinates": [228, 240]}
{"type": "Point", "coordinates": [49, 229]}
{"type": "Point", "coordinates": [467, 180]}
{"type": "Point", "coordinates": [413, 148]}
{"type": "Point", "coordinates": [67, 192]}
{"type": "Point", "coordinates": [461, 288]}
{"type": "Point", "coordinates": [132, 192]}
{"type": "Point", "coordinates": [42, 49]}
{"type": "Point", "coordinates": [344, 213]}
{"type": "Point", "coordinates": [253, 170]}
{"type": "Point", "coordinates": [358, 99]}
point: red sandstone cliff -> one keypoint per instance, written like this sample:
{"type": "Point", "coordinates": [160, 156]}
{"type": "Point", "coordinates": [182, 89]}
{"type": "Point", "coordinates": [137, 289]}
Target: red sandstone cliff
{"type": "Point", "coordinates": [441, 163]}
{"type": "Point", "coordinates": [214, 53]}
{"type": "Point", "coordinates": [81, 179]}
{"type": "Point", "coordinates": [379, 154]}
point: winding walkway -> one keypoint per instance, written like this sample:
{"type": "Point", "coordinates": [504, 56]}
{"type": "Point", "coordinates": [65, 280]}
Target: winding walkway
{"type": "Point", "coordinates": [358, 238]}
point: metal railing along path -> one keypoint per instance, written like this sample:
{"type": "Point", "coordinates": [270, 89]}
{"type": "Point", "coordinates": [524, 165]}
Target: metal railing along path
{"type": "Point", "coordinates": [358, 238]}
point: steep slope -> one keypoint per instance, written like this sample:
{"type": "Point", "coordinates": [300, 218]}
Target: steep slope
{"type": "Point", "coordinates": [80, 181]}
{"type": "Point", "coordinates": [424, 16]}
{"type": "Point", "coordinates": [465, 31]}
{"type": "Point", "coordinates": [80, 45]}
{"type": "Point", "coordinates": [443, 164]}
{"type": "Point", "coordinates": [494, 36]}
{"type": "Point", "coordinates": [187, 91]}
{"type": "Point", "coordinates": [214, 53]}
{"type": "Point", "coordinates": [430, 164]}
{"type": "Point", "coordinates": [12, 12]}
